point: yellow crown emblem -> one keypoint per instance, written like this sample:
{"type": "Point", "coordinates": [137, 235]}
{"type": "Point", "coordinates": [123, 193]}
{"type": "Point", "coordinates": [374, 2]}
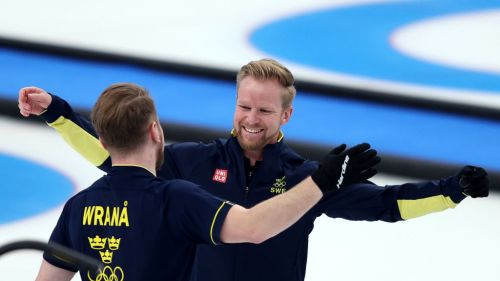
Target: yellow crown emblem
{"type": "Point", "coordinates": [97, 243]}
{"type": "Point", "coordinates": [106, 257]}
{"type": "Point", "coordinates": [114, 243]}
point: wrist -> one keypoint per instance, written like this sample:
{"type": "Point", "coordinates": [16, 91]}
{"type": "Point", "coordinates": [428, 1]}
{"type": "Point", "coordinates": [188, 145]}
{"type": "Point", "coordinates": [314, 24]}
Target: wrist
{"type": "Point", "coordinates": [453, 189]}
{"type": "Point", "coordinates": [319, 180]}
{"type": "Point", "coordinates": [313, 187]}
{"type": "Point", "coordinates": [322, 182]}
{"type": "Point", "coordinates": [54, 110]}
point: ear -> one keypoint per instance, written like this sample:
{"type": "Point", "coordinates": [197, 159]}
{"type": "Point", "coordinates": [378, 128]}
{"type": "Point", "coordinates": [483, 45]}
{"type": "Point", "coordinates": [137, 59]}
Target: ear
{"type": "Point", "coordinates": [285, 116]}
{"type": "Point", "coordinates": [155, 132]}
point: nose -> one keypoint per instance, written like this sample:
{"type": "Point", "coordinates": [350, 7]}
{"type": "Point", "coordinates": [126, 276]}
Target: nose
{"type": "Point", "coordinates": [252, 117]}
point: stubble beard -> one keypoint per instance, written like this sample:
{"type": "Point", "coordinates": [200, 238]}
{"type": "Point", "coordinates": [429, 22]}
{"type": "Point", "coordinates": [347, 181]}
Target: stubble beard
{"type": "Point", "coordinates": [254, 146]}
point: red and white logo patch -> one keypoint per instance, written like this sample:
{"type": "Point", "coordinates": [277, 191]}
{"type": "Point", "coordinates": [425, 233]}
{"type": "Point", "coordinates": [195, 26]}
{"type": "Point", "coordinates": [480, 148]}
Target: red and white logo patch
{"type": "Point", "coordinates": [220, 175]}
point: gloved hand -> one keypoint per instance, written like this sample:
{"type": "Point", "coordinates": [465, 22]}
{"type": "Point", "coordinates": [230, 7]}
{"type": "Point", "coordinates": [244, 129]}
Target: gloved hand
{"type": "Point", "coordinates": [474, 181]}
{"type": "Point", "coordinates": [342, 167]}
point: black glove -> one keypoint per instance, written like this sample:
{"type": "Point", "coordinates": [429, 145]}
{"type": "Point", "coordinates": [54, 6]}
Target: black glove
{"type": "Point", "coordinates": [474, 181]}
{"type": "Point", "coordinates": [340, 168]}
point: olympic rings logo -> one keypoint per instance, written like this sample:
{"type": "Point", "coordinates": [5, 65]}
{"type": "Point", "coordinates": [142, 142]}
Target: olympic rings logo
{"type": "Point", "coordinates": [280, 183]}
{"type": "Point", "coordinates": [108, 274]}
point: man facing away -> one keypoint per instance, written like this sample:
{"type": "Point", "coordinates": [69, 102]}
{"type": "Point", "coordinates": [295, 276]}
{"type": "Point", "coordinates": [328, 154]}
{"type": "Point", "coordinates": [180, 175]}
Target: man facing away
{"type": "Point", "coordinates": [146, 228]}
{"type": "Point", "coordinates": [255, 164]}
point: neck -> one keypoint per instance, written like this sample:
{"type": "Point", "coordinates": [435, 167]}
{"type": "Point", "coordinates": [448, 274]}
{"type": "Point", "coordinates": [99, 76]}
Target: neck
{"type": "Point", "coordinates": [145, 160]}
{"type": "Point", "coordinates": [254, 156]}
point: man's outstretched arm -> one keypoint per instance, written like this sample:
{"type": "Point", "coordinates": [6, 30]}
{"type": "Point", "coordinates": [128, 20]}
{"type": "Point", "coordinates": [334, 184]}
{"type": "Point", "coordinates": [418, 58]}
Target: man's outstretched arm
{"type": "Point", "coordinates": [76, 130]}
{"type": "Point", "coordinates": [270, 217]}
{"type": "Point", "coordinates": [267, 219]}
{"type": "Point", "coordinates": [366, 201]}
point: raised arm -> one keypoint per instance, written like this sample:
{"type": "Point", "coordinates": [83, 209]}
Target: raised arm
{"type": "Point", "coordinates": [270, 217]}
{"type": "Point", "coordinates": [75, 129]}
{"type": "Point", "coordinates": [267, 219]}
{"type": "Point", "coordinates": [366, 201]}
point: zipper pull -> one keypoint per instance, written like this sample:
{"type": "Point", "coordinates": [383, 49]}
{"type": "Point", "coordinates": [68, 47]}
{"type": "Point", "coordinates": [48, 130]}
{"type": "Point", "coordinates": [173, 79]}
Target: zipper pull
{"type": "Point", "coordinates": [247, 188]}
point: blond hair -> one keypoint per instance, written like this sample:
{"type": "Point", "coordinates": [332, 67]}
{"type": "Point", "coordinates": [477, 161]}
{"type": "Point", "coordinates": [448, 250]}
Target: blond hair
{"type": "Point", "coordinates": [269, 69]}
{"type": "Point", "coordinates": [122, 115]}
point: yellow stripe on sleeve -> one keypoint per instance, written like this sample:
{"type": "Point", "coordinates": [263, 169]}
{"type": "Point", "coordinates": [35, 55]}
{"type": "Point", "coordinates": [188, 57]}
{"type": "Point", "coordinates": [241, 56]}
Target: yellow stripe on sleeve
{"type": "Point", "coordinates": [213, 222]}
{"type": "Point", "coordinates": [410, 209]}
{"type": "Point", "coordinates": [62, 259]}
{"type": "Point", "coordinates": [82, 142]}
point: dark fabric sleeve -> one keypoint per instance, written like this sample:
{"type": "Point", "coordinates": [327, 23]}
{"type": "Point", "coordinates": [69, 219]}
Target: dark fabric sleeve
{"type": "Point", "coordinates": [77, 131]}
{"type": "Point", "coordinates": [60, 236]}
{"type": "Point", "coordinates": [195, 215]}
{"type": "Point", "coordinates": [59, 107]}
{"type": "Point", "coordinates": [370, 202]}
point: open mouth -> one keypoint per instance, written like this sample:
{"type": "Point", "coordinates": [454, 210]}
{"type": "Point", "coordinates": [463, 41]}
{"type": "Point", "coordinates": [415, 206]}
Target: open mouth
{"type": "Point", "coordinates": [252, 131]}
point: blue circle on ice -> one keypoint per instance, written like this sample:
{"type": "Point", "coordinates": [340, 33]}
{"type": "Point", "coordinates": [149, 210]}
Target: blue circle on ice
{"type": "Point", "coordinates": [355, 40]}
{"type": "Point", "coordinates": [29, 188]}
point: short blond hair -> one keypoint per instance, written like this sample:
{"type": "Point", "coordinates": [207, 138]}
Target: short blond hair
{"type": "Point", "coordinates": [268, 69]}
{"type": "Point", "coordinates": [122, 115]}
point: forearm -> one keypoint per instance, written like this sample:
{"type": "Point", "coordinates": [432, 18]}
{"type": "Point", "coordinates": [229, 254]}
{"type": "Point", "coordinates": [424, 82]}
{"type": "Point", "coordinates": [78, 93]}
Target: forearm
{"type": "Point", "coordinates": [424, 198]}
{"type": "Point", "coordinates": [369, 202]}
{"type": "Point", "coordinates": [270, 217]}
{"type": "Point", "coordinates": [76, 131]}
{"type": "Point", "coordinates": [470, 181]}
{"type": "Point", "coordinates": [48, 272]}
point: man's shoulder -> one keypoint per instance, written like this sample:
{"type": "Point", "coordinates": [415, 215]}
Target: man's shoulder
{"type": "Point", "coordinates": [196, 147]}
{"type": "Point", "coordinates": [97, 186]}
{"type": "Point", "coordinates": [173, 185]}
{"type": "Point", "coordinates": [293, 159]}
{"type": "Point", "coordinates": [156, 187]}
{"type": "Point", "coordinates": [198, 150]}
{"type": "Point", "coordinates": [180, 190]}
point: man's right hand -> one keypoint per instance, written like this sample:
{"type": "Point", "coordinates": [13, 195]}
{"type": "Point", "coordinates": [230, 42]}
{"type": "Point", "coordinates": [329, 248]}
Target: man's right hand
{"type": "Point", "coordinates": [33, 100]}
{"type": "Point", "coordinates": [343, 167]}
{"type": "Point", "coordinates": [474, 181]}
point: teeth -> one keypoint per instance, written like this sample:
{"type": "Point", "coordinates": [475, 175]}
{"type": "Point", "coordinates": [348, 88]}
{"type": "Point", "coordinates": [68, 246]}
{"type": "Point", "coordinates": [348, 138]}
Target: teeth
{"type": "Point", "coordinates": [253, 131]}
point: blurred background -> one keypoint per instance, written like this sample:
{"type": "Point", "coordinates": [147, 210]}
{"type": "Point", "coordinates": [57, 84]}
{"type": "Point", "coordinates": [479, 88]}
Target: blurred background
{"type": "Point", "coordinates": [419, 80]}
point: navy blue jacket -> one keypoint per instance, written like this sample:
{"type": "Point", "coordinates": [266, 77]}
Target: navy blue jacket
{"type": "Point", "coordinates": [141, 227]}
{"type": "Point", "coordinates": [219, 167]}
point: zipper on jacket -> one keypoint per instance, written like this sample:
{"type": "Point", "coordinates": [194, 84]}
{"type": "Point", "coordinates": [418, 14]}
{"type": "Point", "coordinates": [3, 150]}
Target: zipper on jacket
{"type": "Point", "coordinates": [247, 187]}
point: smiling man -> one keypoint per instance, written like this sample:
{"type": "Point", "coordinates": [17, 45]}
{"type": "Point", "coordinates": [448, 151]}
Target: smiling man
{"type": "Point", "coordinates": [259, 115]}
{"type": "Point", "coordinates": [255, 164]}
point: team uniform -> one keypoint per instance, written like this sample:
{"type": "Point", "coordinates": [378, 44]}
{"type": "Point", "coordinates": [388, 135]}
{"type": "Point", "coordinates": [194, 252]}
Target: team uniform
{"type": "Point", "coordinates": [140, 226]}
{"type": "Point", "coordinates": [221, 168]}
